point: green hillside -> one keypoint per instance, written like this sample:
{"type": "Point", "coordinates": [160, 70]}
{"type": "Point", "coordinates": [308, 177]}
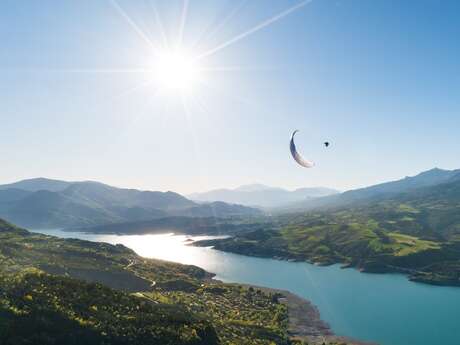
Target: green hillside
{"type": "Point", "coordinates": [415, 232]}
{"type": "Point", "coordinates": [378, 192]}
{"type": "Point", "coordinates": [54, 290]}
{"type": "Point", "coordinates": [37, 308]}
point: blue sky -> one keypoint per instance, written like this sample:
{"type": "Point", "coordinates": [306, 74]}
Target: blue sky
{"type": "Point", "coordinates": [379, 79]}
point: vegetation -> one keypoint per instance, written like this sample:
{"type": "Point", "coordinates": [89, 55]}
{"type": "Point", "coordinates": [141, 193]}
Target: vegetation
{"type": "Point", "coordinates": [247, 314]}
{"type": "Point", "coordinates": [185, 225]}
{"type": "Point", "coordinates": [417, 232]}
{"type": "Point", "coordinates": [37, 308]}
{"type": "Point", "coordinates": [405, 245]}
{"type": "Point", "coordinates": [51, 293]}
{"type": "Point", "coordinates": [115, 266]}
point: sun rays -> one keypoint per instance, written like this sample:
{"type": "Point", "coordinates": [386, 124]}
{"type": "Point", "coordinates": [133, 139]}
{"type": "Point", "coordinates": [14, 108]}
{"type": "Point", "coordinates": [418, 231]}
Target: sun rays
{"type": "Point", "coordinates": [175, 69]}
{"type": "Point", "coordinates": [254, 29]}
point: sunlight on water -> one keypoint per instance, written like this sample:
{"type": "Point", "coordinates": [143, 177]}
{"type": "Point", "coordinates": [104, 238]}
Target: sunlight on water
{"type": "Point", "coordinates": [165, 246]}
{"type": "Point", "coordinates": [384, 308]}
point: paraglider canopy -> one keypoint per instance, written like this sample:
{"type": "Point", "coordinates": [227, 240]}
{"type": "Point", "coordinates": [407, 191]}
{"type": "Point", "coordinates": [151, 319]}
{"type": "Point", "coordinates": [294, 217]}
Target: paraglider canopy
{"type": "Point", "coordinates": [297, 156]}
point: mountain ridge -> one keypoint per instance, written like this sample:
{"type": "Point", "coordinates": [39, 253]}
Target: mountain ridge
{"type": "Point", "coordinates": [36, 184]}
{"type": "Point", "coordinates": [413, 229]}
{"type": "Point", "coordinates": [259, 195]}
{"type": "Point", "coordinates": [69, 204]}
{"type": "Point", "coordinates": [383, 190]}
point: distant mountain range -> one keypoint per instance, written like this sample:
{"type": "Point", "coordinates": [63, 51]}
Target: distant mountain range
{"type": "Point", "coordinates": [45, 203]}
{"type": "Point", "coordinates": [36, 184]}
{"type": "Point", "coordinates": [430, 178]}
{"type": "Point", "coordinates": [410, 225]}
{"type": "Point", "coordinates": [426, 205]}
{"type": "Point", "coordinates": [259, 195]}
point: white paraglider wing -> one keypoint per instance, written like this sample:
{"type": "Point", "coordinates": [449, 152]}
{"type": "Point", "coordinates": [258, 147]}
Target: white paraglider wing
{"type": "Point", "coordinates": [297, 156]}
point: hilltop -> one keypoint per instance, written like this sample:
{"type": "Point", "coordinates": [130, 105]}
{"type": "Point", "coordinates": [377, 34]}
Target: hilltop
{"type": "Point", "coordinates": [44, 203]}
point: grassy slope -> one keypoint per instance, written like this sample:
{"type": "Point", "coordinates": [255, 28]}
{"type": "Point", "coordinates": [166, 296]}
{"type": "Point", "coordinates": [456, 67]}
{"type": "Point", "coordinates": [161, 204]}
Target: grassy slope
{"type": "Point", "coordinates": [116, 266]}
{"type": "Point", "coordinates": [416, 232]}
{"type": "Point", "coordinates": [182, 307]}
{"type": "Point", "coordinates": [252, 316]}
{"type": "Point", "coordinates": [43, 309]}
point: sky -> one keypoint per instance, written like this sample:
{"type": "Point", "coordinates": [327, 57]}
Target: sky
{"type": "Point", "coordinates": [80, 97]}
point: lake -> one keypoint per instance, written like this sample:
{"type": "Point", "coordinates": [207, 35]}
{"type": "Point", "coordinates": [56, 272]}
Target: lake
{"type": "Point", "coordinates": [385, 308]}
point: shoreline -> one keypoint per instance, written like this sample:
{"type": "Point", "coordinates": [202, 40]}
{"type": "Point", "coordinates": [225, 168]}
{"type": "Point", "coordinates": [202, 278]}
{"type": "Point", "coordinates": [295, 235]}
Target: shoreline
{"type": "Point", "coordinates": [305, 323]}
{"type": "Point", "coordinates": [384, 268]}
{"type": "Point", "coordinates": [378, 268]}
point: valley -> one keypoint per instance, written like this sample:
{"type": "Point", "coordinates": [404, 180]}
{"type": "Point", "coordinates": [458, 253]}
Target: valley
{"type": "Point", "coordinates": [410, 226]}
{"type": "Point", "coordinates": [69, 288]}
{"type": "Point", "coordinates": [229, 172]}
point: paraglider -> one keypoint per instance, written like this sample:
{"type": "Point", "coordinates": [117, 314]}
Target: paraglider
{"type": "Point", "coordinates": [297, 157]}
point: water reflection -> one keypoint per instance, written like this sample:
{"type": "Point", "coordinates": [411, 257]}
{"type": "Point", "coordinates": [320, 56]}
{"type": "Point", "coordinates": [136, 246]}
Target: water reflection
{"type": "Point", "coordinates": [385, 308]}
{"type": "Point", "coordinates": [165, 246]}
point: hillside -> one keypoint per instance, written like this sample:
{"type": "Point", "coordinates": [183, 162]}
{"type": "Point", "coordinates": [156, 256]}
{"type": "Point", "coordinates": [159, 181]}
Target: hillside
{"type": "Point", "coordinates": [261, 195]}
{"type": "Point", "coordinates": [36, 184]}
{"type": "Point", "coordinates": [181, 225]}
{"type": "Point", "coordinates": [52, 204]}
{"type": "Point", "coordinates": [415, 232]}
{"type": "Point", "coordinates": [42, 309]}
{"type": "Point", "coordinates": [380, 191]}
{"type": "Point", "coordinates": [54, 285]}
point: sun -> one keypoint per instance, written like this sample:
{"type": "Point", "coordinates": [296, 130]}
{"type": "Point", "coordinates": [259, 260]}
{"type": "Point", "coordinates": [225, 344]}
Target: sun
{"type": "Point", "coordinates": [173, 70]}
{"type": "Point", "coordinates": [177, 70]}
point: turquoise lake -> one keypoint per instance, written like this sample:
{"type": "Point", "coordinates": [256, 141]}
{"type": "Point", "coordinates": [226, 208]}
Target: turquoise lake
{"type": "Point", "coordinates": [384, 308]}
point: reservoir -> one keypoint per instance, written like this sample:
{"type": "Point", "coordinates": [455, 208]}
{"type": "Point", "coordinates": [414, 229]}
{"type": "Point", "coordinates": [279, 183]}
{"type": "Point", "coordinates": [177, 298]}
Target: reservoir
{"type": "Point", "coordinates": [384, 308]}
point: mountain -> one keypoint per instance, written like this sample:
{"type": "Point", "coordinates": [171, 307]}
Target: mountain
{"type": "Point", "coordinates": [428, 178]}
{"type": "Point", "coordinates": [71, 204]}
{"type": "Point", "coordinates": [410, 226]}
{"type": "Point", "coordinates": [196, 226]}
{"type": "Point", "coordinates": [255, 187]}
{"type": "Point", "coordinates": [109, 196]}
{"type": "Point", "coordinates": [261, 195]}
{"type": "Point", "coordinates": [11, 195]}
{"type": "Point", "coordinates": [213, 209]}
{"type": "Point", "coordinates": [45, 209]}
{"type": "Point", "coordinates": [36, 184]}
{"type": "Point", "coordinates": [425, 179]}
